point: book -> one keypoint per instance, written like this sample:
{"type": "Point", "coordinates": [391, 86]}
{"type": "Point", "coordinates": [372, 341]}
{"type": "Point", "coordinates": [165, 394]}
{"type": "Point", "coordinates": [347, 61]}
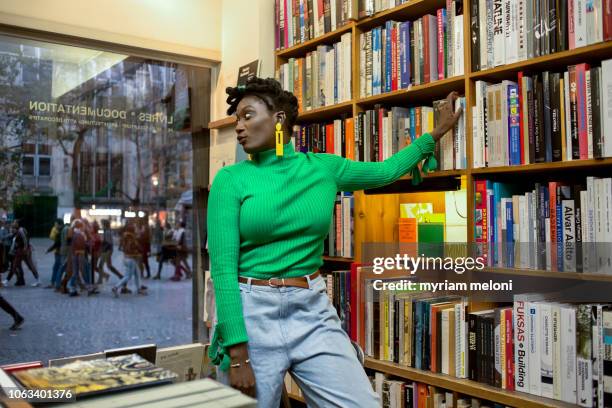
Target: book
{"type": "Point", "coordinates": [97, 376]}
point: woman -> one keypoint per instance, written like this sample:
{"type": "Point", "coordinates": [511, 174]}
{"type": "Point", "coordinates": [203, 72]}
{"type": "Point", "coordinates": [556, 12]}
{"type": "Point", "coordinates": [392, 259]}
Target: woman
{"type": "Point", "coordinates": [106, 257]}
{"type": "Point", "coordinates": [267, 220]}
{"type": "Point", "coordinates": [131, 257]}
{"type": "Point", "coordinates": [144, 239]}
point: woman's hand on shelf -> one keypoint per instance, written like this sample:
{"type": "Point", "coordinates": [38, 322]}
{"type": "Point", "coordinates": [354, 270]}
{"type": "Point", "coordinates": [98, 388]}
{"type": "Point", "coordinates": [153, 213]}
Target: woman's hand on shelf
{"type": "Point", "coordinates": [448, 116]}
{"type": "Point", "coordinates": [241, 377]}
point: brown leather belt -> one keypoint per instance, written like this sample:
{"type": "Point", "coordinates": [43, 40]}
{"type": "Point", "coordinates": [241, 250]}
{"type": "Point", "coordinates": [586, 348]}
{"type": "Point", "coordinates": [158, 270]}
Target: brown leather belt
{"type": "Point", "coordinates": [300, 282]}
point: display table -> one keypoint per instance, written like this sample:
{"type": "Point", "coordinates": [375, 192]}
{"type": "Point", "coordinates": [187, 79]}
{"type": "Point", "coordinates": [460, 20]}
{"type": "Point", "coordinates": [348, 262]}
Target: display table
{"type": "Point", "coordinates": [203, 393]}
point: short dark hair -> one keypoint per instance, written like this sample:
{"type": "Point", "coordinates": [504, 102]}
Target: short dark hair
{"type": "Point", "coordinates": [271, 92]}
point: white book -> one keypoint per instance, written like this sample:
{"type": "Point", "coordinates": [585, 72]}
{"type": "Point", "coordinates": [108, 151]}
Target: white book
{"type": "Point", "coordinates": [546, 365]}
{"type": "Point", "coordinates": [499, 49]}
{"type": "Point", "coordinates": [568, 353]}
{"type": "Point", "coordinates": [348, 71]}
{"type": "Point", "coordinates": [607, 224]}
{"type": "Point", "coordinates": [585, 204]}
{"type": "Point", "coordinates": [511, 33]}
{"type": "Point", "coordinates": [584, 355]}
{"type": "Point", "coordinates": [445, 338]}
{"type": "Point", "coordinates": [534, 355]}
{"type": "Point", "coordinates": [482, 33]}
{"type": "Point", "coordinates": [598, 223]}
{"type": "Point", "coordinates": [556, 324]}
{"type": "Point", "coordinates": [568, 122]}
{"type": "Point", "coordinates": [591, 249]}
{"type": "Point", "coordinates": [481, 120]}
{"type": "Point", "coordinates": [369, 63]}
{"type": "Point", "coordinates": [185, 361]}
{"type": "Point", "coordinates": [529, 29]}
{"type": "Point", "coordinates": [580, 23]}
{"type": "Point", "coordinates": [531, 207]}
{"type": "Point", "coordinates": [521, 344]}
{"type": "Point", "coordinates": [523, 231]}
{"type": "Point", "coordinates": [458, 61]}
{"type": "Point", "coordinates": [333, 12]}
{"type": "Point", "coordinates": [316, 23]}
{"type": "Point", "coordinates": [594, 21]}
{"type": "Point", "coordinates": [569, 235]}
{"type": "Point", "coordinates": [461, 361]}
{"type": "Point", "coordinates": [522, 30]}
{"type": "Point", "coordinates": [606, 105]}
{"type": "Point", "coordinates": [362, 65]}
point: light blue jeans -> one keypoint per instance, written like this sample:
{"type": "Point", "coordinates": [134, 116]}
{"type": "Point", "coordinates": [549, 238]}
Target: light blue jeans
{"type": "Point", "coordinates": [298, 330]}
{"type": "Point", "coordinates": [130, 271]}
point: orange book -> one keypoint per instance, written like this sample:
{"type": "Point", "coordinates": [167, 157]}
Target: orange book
{"type": "Point", "coordinates": [350, 139]}
{"type": "Point", "coordinates": [422, 394]}
{"type": "Point", "coordinates": [329, 139]}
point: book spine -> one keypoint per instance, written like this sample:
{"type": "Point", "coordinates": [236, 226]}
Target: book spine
{"type": "Point", "coordinates": [514, 121]}
{"type": "Point", "coordinates": [555, 116]}
{"type": "Point", "coordinates": [474, 36]}
{"type": "Point", "coordinates": [521, 339]}
{"type": "Point", "coordinates": [581, 70]}
{"type": "Point", "coordinates": [596, 111]}
{"type": "Point", "coordinates": [499, 48]}
{"type": "Point", "coordinates": [547, 122]}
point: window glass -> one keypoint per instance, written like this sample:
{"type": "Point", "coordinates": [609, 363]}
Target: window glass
{"type": "Point", "coordinates": [97, 146]}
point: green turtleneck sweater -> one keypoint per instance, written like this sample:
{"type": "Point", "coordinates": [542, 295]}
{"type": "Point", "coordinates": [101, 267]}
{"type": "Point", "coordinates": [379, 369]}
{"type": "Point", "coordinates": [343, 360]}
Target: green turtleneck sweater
{"type": "Point", "coordinates": [269, 216]}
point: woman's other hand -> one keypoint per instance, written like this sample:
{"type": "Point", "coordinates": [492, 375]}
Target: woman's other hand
{"type": "Point", "coordinates": [241, 378]}
{"type": "Point", "coordinates": [447, 116]}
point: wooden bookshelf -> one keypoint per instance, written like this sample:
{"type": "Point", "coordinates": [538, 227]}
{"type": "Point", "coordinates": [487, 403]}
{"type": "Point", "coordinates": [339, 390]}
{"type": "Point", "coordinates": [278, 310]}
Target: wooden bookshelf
{"type": "Point", "coordinates": [556, 167]}
{"type": "Point", "coordinates": [558, 60]}
{"type": "Point", "coordinates": [372, 217]}
{"type": "Point", "coordinates": [338, 259]}
{"type": "Point", "coordinates": [326, 112]}
{"type": "Point", "coordinates": [416, 93]}
{"type": "Point", "coordinates": [464, 386]}
{"type": "Point", "coordinates": [300, 50]}
{"type": "Point", "coordinates": [407, 11]}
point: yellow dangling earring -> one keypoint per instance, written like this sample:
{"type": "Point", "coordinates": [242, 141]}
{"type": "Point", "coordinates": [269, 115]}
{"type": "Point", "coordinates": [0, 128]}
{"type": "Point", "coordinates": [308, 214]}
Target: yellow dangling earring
{"type": "Point", "coordinates": [279, 139]}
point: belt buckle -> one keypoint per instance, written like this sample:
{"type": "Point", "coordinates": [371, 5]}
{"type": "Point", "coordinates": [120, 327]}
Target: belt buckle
{"type": "Point", "coordinates": [272, 285]}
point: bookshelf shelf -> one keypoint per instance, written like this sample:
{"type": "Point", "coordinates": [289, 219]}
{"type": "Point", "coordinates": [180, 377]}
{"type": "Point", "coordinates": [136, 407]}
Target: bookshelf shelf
{"type": "Point", "coordinates": [301, 49]}
{"type": "Point", "coordinates": [417, 93]}
{"type": "Point", "coordinates": [326, 112]}
{"type": "Point", "coordinates": [407, 11]}
{"type": "Point", "coordinates": [222, 123]}
{"type": "Point", "coordinates": [551, 274]}
{"type": "Point", "coordinates": [338, 259]}
{"type": "Point", "coordinates": [554, 61]}
{"type": "Point", "coordinates": [556, 167]}
{"type": "Point", "coordinates": [468, 387]}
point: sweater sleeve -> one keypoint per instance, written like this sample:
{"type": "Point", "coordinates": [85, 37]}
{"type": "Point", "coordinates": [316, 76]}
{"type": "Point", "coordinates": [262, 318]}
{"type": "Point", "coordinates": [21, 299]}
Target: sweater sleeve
{"type": "Point", "coordinates": [224, 249]}
{"type": "Point", "coordinates": [351, 175]}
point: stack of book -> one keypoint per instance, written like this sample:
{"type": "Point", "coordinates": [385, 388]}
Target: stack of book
{"type": "Point", "coordinates": [338, 291]}
{"type": "Point", "coordinates": [337, 137]}
{"type": "Point", "coordinates": [407, 53]}
{"type": "Point", "coordinates": [556, 226]}
{"type": "Point", "coordinates": [322, 78]}
{"type": "Point", "coordinates": [544, 117]}
{"type": "Point", "coordinates": [297, 21]}
{"type": "Point", "coordinates": [382, 132]}
{"type": "Point", "coordinates": [412, 394]}
{"type": "Point", "coordinates": [339, 241]}
{"type": "Point", "coordinates": [545, 348]}
{"type": "Point", "coordinates": [508, 31]}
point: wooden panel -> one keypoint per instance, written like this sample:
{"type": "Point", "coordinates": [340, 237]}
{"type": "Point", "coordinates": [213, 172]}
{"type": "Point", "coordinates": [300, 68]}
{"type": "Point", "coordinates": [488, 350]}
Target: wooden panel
{"type": "Point", "coordinates": [222, 123]}
{"type": "Point", "coordinates": [376, 216]}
